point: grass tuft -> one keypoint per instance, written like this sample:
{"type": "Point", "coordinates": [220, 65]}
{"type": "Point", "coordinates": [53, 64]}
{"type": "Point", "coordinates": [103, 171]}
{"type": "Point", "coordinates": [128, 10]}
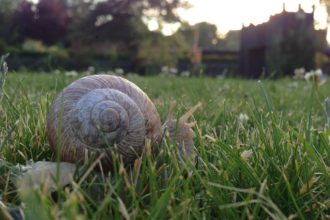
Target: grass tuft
{"type": "Point", "coordinates": [270, 164]}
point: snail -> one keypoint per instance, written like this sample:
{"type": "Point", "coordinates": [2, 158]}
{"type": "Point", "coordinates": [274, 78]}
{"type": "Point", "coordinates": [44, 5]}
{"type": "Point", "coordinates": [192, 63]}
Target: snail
{"type": "Point", "coordinates": [99, 114]}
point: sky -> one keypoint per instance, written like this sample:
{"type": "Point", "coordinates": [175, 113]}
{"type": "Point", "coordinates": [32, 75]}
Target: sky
{"type": "Point", "coordinates": [231, 14]}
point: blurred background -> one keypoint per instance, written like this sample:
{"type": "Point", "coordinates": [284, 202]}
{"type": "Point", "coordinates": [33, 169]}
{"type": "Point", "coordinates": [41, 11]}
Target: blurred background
{"type": "Point", "coordinates": [181, 37]}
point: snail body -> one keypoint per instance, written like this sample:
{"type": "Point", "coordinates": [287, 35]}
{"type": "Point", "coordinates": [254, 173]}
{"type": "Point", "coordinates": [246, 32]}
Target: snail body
{"type": "Point", "coordinates": [100, 114]}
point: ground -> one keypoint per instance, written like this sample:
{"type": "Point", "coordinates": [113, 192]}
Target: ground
{"type": "Point", "coordinates": [262, 152]}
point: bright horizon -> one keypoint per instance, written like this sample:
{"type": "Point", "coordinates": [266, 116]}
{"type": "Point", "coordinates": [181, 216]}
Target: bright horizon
{"type": "Point", "coordinates": [231, 15]}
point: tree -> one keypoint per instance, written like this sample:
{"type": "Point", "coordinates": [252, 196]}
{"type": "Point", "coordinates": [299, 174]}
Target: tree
{"type": "Point", "coordinates": [51, 21]}
{"type": "Point", "coordinates": [126, 16]}
{"type": "Point", "coordinates": [208, 37]}
{"type": "Point", "coordinates": [231, 41]}
{"type": "Point", "coordinates": [46, 21]}
{"type": "Point", "coordinates": [91, 29]}
{"type": "Point", "coordinates": [165, 50]}
{"type": "Point", "coordinates": [118, 24]}
{"type": "Point", "coordinates": [7, 31]}
{"type": "Point", "coordinates": [24, 20]}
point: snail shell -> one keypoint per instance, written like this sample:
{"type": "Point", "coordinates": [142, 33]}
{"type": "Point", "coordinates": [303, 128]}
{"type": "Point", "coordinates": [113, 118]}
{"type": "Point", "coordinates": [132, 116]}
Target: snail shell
{"type": "Point", "coordinates": [99, 114]}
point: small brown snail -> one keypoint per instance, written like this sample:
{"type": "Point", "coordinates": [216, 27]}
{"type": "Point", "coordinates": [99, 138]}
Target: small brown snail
{"type": "Point", "coordinates": [101, 113]}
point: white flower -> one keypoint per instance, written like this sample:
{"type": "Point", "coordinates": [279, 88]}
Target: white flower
{"type": "Point", "coordinates": [109, 72]}
{"type": "Point", "coordinates": [91, 69]}
{"type": "Point", "coordinates": [132, 74]}
{"type": "Point", "coordinates": [293, 85]}
{"type": "Point", "coordinates": [318, 72]}
{"type": "Point", "coordinates": [173, 70]}
{"type": "Point", "coordinates": [185, 73]}
{"type": "Point", "coordinates": [221, 76]}
{"type": "Point", "coordinates": [299, 73]}
{"type": "Point", "coordinates": [168, 71]}
{"type": "Point", "coordinates": [57, 72]}
{"type": "Point", "coordinates": [164, 69]}
{"type": "Point", "coordinates": [119, 71]}
{"type": "Point", "coordinates": [246, 154]}
{"type": "Point", "coordinates": [316, 76]}
{"type": "Point", "coordinates": [72, 73]}
{"type": "Point", "coordinates": [243, 117]}
{"type": "Point", "coordinates": [308, 76]}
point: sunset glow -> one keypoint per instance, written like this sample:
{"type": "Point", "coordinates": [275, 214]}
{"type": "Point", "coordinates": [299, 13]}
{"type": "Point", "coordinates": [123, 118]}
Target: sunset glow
{"type": "Point", "coordinates": [231, 14]}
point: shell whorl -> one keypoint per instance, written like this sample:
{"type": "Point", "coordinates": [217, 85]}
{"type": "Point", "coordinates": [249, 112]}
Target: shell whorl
{"type": "Point", "coordinates": [97, 113]}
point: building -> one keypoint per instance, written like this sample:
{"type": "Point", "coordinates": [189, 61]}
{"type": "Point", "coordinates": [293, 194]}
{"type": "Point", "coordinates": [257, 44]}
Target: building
{"type": "Point", "coordinates": [219, 62]}
{"type": "Point", "coordinates": [274, 48]}
{"type": "Point", "coordinates": [287, 41]}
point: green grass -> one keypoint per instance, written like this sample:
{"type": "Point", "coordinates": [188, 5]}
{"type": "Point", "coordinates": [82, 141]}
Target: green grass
{"type": "Point", "coordinates": [287, 175]}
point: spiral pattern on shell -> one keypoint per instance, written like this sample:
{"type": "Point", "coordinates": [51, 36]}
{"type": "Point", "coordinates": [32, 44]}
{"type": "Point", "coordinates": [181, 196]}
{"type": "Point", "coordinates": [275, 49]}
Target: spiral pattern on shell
{"type": "Point", "coordinates": [98, 114]}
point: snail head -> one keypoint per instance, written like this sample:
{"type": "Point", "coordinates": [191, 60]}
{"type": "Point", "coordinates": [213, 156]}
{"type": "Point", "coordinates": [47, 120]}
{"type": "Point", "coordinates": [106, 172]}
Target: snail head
{"type": "Point", "coordinates": [181, 131]}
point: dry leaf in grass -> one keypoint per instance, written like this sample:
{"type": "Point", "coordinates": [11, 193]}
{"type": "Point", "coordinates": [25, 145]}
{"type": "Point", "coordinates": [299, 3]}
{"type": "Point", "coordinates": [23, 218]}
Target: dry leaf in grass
{"type": "Point", "coordinates": [43, 174]}
{"type": "Point", "coordinates": [309, 184]}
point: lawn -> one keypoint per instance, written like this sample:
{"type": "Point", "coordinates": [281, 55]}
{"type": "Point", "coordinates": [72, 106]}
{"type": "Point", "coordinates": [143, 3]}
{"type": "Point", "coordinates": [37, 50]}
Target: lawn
{"type": "Point", "coordinates": [262, 153]}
